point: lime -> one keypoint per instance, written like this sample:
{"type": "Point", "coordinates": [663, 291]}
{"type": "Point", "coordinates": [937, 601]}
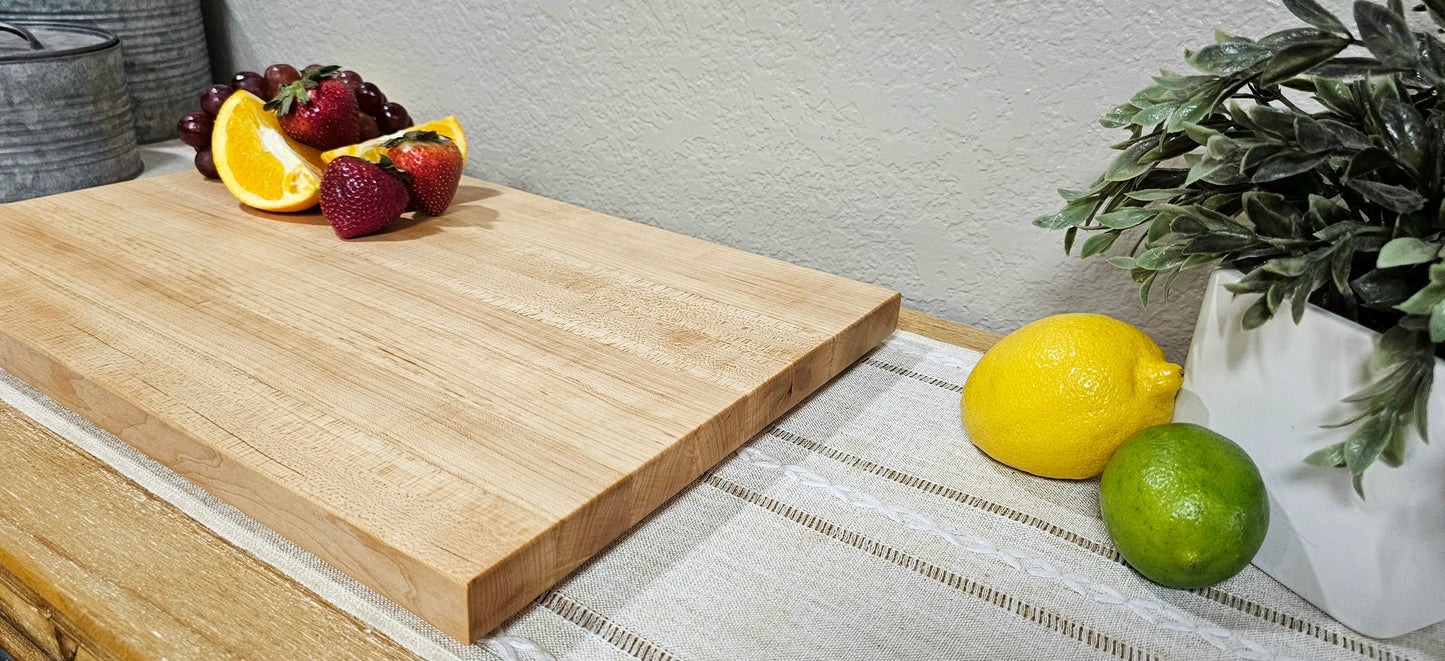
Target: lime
{"type": "Point", "coordinates": [1185, 506]}
{"type": "Point", "coordinates": [1057, 397]}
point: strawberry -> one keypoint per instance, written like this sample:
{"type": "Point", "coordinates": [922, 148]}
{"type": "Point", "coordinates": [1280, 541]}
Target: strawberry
{"type": "Point", "coordinates": [317, 110]}
{"type": "Point", "coordinates": [435, 165]}
{"type": "Point", "coordinates": [360, 197]}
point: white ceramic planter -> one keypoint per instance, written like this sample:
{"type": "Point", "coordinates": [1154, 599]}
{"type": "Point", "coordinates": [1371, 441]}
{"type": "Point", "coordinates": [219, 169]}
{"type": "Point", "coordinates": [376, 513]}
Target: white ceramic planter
{"type": "Point", "coordinates": [1376, 565]}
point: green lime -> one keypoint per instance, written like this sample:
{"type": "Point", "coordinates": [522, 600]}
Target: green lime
{"type": "Point", "coordinates": [1185, 506]}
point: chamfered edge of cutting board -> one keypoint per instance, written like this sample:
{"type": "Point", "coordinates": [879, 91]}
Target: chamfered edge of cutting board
{"type": "Point", "coordinates": [669, 472]}
{"type": "Point", "coordinates": [464, 605]}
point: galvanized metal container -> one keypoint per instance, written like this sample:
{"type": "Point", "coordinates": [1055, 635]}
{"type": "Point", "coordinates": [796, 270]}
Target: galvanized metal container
{"type": "Point", "coordinates": [164, 42]}
{"type": "Point", "coordinates": [65, 120]}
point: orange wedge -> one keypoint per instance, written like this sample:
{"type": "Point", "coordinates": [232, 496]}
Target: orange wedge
{"type": "Point", "coordinates": [260, 165]}
{"type": "Point", "coordinates": [371, 149]}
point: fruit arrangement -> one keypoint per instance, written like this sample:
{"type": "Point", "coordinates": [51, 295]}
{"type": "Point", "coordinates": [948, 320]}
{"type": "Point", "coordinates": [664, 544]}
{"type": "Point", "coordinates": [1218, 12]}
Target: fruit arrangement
{"type": "Point", "coordinates": [1076, 395]}
{"type": "Point", "coordinates": [277, 141]}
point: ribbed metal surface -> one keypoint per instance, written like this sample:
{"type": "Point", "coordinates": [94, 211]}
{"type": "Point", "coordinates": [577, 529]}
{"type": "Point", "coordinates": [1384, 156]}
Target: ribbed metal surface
{"type": "Point", "coordinates": [165, 52]}
{"type": "Point", "coordinates": [65, 120]}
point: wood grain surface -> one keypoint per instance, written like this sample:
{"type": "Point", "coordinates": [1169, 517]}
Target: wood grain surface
{"type": "Point", "coordinates": [95, 612]}
{"type": "Point", "coordinates": [456, 413]}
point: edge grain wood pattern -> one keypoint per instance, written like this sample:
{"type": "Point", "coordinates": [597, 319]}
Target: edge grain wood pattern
{"type": "Point", "coordinates": [89, 561]}
{"type": "Point", "coordinates": [48, 583]}
{"type": "Point", "coordinates": [456, 413]}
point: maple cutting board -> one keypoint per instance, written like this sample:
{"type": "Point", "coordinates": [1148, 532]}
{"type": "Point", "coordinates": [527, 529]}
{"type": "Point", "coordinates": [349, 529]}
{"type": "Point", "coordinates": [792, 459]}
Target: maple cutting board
{"type": "Point", "coordinates": [456, 413]}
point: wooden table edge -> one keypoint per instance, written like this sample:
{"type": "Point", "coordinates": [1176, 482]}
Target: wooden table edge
{"type": "Point", "coordinates": [51, 609]}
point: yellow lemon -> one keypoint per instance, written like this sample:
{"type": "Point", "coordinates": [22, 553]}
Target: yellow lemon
{"type": "Point", "coordinates": [371, 149]}
{"type": "Point", "coordinates": [258, 162]}
{"type": "Point", "coordinates": [1058, 396]}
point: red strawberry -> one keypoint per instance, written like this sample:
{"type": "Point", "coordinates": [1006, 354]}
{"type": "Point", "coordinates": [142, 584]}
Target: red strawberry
{"type": "Point", "coordinates": [360, 197]}
{"type": "Point", "coordinates": [435, 166]}
{"type": "Point", "coordinates": [317, 110]}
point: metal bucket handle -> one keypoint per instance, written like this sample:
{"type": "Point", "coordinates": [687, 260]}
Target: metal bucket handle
{"type": "Point", "coordinates": [26, 34]}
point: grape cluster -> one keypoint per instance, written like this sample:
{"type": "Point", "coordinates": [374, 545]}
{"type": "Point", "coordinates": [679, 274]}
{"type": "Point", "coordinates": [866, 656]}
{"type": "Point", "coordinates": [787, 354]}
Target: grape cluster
{"type": "Point", "coordinates": [376, 117]}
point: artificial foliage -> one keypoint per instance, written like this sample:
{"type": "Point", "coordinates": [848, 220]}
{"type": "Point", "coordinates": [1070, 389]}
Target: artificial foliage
{"type": "Point", "coordinates": [1313, 161]}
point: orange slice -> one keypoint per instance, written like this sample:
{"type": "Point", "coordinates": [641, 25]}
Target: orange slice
{"type": "Point", "coordinates": [260, 165]}
{"type": "Point", "coordinates": [371, 149]}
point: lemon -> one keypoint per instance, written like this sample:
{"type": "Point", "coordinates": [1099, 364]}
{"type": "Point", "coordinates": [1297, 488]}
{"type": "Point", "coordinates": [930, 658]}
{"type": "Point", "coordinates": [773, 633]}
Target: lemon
{"type": "Point", "coordinates": [1058, 396]}
{"type": "Point", "coordinates": [1185, 506]}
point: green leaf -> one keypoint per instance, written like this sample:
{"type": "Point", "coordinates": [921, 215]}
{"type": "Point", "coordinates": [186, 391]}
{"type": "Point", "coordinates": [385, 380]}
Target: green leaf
{"type": "Point", "coordinates": [1193, 110]}
{"type": "Point", "coordinates": [1286, 164]}
{"type": "Point", "coordinates": [1161, 257]}
{"type": "Point", "coordinates": [1311, 12]}
{"type": "Point", "coordinates": [1154, 194]}
{"type": "Point", "coordinates": [1257, 155]}
{"type": "Point", "coordinates": [1301, 57]}
{"type": "Point", "coordinates": [1424, 301]}
{"type": "Point", "coordinates": [1330, 457]}
{"type": "Point", "coordinates": [1324, 211]}
{"type": "Point", "coordinates": [1098, 243]}
{"type": "Point", "coordinates": [1367, 161]}
{"type": "Point", "coordinates": [1215, 244]}
{"type": "Point", "coordinates": [1421, 407]}
{"type": "Point", "coordinates": [1383, 288]}
{"type": "Point", "coordinates": [1227, 58]}
{"type": "Point", "coordinates": [1365, 445]}
{"type": "Point", "coordinates": [1154, 114]}
{"type": "Point", "coordinates": [1385, 34]}
{"type": "Point", "coordinates": [1144, 288]}
{"type": "Point", "coordinates": [1348, 136]}
{"type": "Point", "coordinates": [1197, 133]}
{"type": "Point", "coordinates": [1273, 120]}
{"type": "Point", "coordinates": [1127, 165]}
{"type": "Point", "coordinates": [1288, 267]}
{"type": "Point", "coordinates": [1255, 315]}
{"type": "Point", "coordinates": [1218, 223]}
{"type": "Point", "coordinates": [1406, 250]}
{"type": "Point", "coordinates": [1395, 198]}
{"type": "Point", "coordinates": [1342, 68]}
{"type": "Point", "coordinates": [1126, 217]}
{"type": "Point", "coordinates": [1437, 324]}
{"type": "Point", "coordinates": [1341, 263]}
{"type": "Point", "coordinates": [1404, 132]}
{"type": "Point", "coordinates": [1220, 37]}
{"type": "Point", "coordinates": [1300, 295]}
{"type": "Point", "coordinates": [1335, 95]}
{"type": "Point", "coordinates": [1069, 236]}
{"type": "Point", "coordinates": [1122, 262]}
{"type": "Point", "coordinates": [1394, 453]}
{"type": "Point", "coordinates": [1073, 214]}
{"type": "Point", "coordinates": [1071, 195]}
{"type": "Point", "coordinates": [1118, 116]}
{"type": "Point", "coordinates": [1271, 214]}
{"type": "Point", "coordinates": [1290, 36]}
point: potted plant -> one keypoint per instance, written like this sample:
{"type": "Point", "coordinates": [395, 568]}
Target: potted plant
{"type": "Point", "coordinates": [1309, 166]}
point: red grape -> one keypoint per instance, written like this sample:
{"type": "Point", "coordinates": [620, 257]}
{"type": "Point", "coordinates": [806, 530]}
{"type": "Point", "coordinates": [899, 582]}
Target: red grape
{"type": "Point", "coordinates": [206, 164]}
{"type": "Point", "coordinates": [251, 82]}
{"type": "Point", "coordinates": [349, 78]}
{"type": "Point", "coordinates": [195, 130]}
{"type": "Point", "coordinates": [310, 66]}
{"type": "Point", "coordinates": [213, 97]}
{"type": "Point", "coordinates": [369, 129]}
{"type": "Point", "coordinates": [278, 75]}
{"type": "Point", "coordinates": [392, 118]}
{"type": "Point", "coordinates": [369, 98]}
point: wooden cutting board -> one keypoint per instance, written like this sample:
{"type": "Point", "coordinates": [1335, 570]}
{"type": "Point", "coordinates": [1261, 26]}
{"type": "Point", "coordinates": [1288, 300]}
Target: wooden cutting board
{"type": "Point", "coordinates": [456, 413]}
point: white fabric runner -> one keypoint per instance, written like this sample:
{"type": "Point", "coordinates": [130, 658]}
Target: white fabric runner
{"type": "Point", "coordinates": [862, 525]}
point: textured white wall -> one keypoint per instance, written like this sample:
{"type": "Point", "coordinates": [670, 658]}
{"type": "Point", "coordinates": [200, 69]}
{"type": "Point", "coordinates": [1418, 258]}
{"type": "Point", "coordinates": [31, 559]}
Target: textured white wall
{"type": "Point", "coordinates": [905, 143]}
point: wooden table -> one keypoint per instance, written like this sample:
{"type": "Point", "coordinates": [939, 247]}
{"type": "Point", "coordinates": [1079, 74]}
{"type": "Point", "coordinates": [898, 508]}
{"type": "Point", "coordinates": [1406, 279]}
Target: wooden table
{"type": "Point", "coordinates": [94, 567]}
